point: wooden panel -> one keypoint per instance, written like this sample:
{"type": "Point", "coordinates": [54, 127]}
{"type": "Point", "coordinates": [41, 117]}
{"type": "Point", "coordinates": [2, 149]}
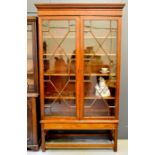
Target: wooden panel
{"type": "Point", "coordinates": [81, 13]}
{"type": "Point", "coordinates": [32, 134]}
{"type": "Point", "coordinates": [91, 17]}
{"type": "Point", "coordinates": [77, 135]}
{"type": "Point", "coordinates": [106, 9]}
{"type": "Point", "coordinates": [49, 6]}
{"type": "Point", "coordinates": [41, 68]}
{"type": "Point", "coordinates": [73, 121]}
{"type": "Point", "coordinates": [29, 122]}
{"type": "Point", "coordinates": [34, 119]}
{"type": "Point", "coordinates": [68, 126]}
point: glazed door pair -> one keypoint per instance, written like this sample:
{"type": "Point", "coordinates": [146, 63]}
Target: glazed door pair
{"type": "Point", "coordinates": [79, 66]}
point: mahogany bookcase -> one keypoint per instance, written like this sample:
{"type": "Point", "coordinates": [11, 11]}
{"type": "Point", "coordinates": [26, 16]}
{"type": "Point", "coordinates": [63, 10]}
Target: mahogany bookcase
{"type": "Point", "coordinates": [76, 43]}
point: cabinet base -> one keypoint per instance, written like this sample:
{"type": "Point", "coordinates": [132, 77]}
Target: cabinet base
{"type": "Point", "coordinates": [73, 138]}
{"type": "Point", "coordinates": [48, 146]}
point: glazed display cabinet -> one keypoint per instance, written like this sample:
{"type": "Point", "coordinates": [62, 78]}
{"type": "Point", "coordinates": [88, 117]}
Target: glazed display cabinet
{"type": "Point", "coordinates": [79, 61]}
{"type": "Point", "coordinates": [32, 85]}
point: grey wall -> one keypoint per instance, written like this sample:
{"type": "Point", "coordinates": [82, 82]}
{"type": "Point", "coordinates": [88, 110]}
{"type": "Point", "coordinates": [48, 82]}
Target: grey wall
{"type": "Point", "coordinates": [123, 125]}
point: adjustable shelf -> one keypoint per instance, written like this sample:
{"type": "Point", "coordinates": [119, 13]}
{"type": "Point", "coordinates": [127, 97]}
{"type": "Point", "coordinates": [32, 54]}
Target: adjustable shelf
{"type": "Point", "coordinates": [99, 97]}
{"type": "Point", "coordinates": [61, 97]}
{"type": "Point", "coordinates": [86, 74]}
{"type": "Point", "coordinates": [86, 97]}
{"type": "Point", "coordinates": [70, 54]}
{"type": "Point", "coordinates": [58, 74]}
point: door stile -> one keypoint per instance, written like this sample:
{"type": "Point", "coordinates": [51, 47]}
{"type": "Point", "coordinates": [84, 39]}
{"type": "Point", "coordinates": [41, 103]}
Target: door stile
{"type": "Point", "coordinates": [78, 57]}
{"type": "Point", "coordinates": [81, 74]}
{"type": "Point", "coordinates": [118, 67]}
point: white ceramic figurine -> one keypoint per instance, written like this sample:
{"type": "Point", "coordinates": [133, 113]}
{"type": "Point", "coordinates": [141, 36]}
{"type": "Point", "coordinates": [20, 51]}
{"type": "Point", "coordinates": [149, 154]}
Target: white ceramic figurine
{"type": "Point", "coordinates": [102, 89]}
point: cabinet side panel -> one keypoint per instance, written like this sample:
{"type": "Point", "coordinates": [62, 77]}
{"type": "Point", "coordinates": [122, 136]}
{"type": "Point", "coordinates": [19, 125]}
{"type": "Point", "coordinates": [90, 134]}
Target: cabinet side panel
{"type": "Point", "coordinates": [118, 66]}
{"type": "Point", "coordinates": [41, 68]}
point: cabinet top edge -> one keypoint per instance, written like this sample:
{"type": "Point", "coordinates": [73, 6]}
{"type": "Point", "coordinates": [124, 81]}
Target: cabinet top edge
{"type": "Point", "coordinates": [41, 6]}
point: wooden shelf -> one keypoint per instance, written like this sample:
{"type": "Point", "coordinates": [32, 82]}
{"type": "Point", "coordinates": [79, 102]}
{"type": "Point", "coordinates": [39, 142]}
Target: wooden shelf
{"type": "Point", "coordinates": [49, 105]}
{"type": "Point", "coordinates": [79, 138]}
{"type": "Point", "coordinates": [79, 145]}
{"type": "Point", "coordinates": [59, 74]}
{"type": "Point", "coordinates": [73, 37]}
{"type": "Point", "coordinates": [99, 97]}
{"type": "Point", "coordinates": [60, 54]}
{"type": "Point", "coordinates": [72, 74]}
{"type": "Point", "coordinates": [100, 74]}
{"type": "Point", "coordinates": [100, 54]}
{"type": "Point", "coordinates": [112, 106]}
{"type": "Point", "coordinates": [86, 97]}
{"type": "Point", "coordinates": [70, 54]}
{"type": "Point", "coordinates": [62, 97]}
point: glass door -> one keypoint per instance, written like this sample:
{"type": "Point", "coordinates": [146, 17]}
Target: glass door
{"type": "Point", "coordinates": [100, 47]}
{"type": "Point", "coordinates": [59, 66]}
{"type": "Point", "coordinates": [30, 58]}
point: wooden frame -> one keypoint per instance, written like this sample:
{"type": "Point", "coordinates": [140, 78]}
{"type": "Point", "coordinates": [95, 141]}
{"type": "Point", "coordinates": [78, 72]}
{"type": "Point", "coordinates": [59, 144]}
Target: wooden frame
{"type": "Point", "coordinates": [33, 117]}
{"type": "Point", "coordinates": [80, 12]}
{"type": "Point", "coordinates": [32, 96]}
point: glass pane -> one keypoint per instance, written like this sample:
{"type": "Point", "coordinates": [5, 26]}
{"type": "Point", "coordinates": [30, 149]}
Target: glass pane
{"type": "Point", "coordinates": [59, 54]}
{"type": "Point", "coordinates": [100, 38]}
{"type": "Point", "coordinates": [30, 69]}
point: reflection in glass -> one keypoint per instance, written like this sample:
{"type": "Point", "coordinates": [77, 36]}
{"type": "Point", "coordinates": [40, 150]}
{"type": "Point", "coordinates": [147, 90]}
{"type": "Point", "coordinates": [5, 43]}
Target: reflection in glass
{"type": "Point", "coordinates": [60, 107]}
{"type": "Point", "coordinates": [30, 69]}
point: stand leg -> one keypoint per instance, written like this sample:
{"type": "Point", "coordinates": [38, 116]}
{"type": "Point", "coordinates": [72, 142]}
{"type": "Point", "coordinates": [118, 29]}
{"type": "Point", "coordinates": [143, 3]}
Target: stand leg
{"type": "Point", "coordinates": [115, 139]}
{"type": "Point", "coordinates": [42, 139]}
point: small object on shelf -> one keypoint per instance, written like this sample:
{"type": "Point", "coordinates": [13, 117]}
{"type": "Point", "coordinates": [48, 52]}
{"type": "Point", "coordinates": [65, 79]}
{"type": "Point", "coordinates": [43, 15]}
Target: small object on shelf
{"type": "Point", "coordinates": [60, 65]}
{"type": "Point", "coordinates": [104, 70]}
{"type": "Point", "coordinates": [89, 51]}
{"type": "Point", "coordinates": [102, 88]}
